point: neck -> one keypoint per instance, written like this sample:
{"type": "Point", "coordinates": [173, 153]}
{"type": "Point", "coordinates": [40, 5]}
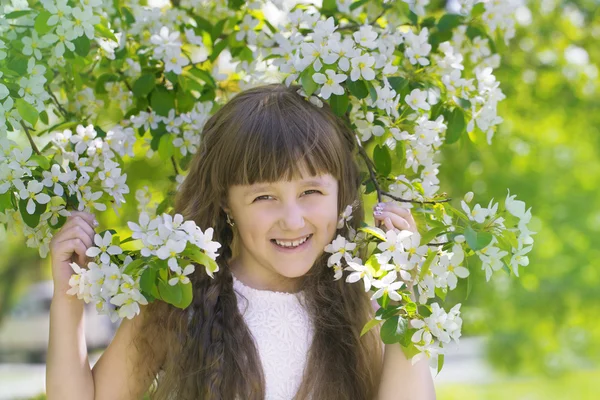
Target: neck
{"type": "Point", "coordinates": [262, 279]}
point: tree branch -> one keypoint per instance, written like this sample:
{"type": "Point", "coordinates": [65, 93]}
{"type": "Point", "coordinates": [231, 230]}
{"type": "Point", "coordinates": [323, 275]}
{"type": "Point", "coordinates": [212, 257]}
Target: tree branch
{"type": "Point", "coordinates": [33, 146]}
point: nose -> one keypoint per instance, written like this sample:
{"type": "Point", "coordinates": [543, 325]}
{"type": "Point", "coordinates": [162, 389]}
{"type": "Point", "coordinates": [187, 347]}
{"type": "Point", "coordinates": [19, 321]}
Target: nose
{"type": "Point", "coordinates": [292, 218]}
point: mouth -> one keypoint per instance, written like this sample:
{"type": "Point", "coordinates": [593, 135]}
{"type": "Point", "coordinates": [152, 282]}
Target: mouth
{"type": "Point", "coordinates": [291, 246]}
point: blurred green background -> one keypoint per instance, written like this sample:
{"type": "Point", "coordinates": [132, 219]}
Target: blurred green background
{"type": "Point", "coordinates": [542, 330]}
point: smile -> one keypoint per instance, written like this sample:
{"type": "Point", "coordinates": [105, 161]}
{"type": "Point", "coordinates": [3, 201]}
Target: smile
{"type": "Point", "coordinates": [291, 244]}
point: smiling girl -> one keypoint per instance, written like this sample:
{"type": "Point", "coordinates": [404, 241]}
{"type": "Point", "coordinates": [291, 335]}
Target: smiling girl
{"type": "Point", "coordinates": [272, 175]}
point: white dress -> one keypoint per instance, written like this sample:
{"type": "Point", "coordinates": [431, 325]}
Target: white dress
{"type": "Point", "coordinates": [282, 331]}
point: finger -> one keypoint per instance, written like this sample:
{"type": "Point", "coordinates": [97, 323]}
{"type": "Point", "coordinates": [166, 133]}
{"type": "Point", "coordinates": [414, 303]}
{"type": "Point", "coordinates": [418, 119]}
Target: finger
{"type": "Point", "coordinates": [79, 220]}
{"type": "Point", "coordinates": [388, 223]}
{"type": "Point", "coordinates": [73, 248]}
{"type": "Point", "coordinates": [394, 207]}
{"type": "Point", "coordinates": [74, 229]}
{"type": "Point", "coordinates": [396, 220]}
{"type": "Point", "coordinates": [88, 217]}
{"type": "Point", "coordinates": [82, 232]}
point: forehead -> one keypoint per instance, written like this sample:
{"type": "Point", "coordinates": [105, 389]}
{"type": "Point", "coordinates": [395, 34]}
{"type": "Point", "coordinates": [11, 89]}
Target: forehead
{"type": "Point", "coordinates": [323, 181]}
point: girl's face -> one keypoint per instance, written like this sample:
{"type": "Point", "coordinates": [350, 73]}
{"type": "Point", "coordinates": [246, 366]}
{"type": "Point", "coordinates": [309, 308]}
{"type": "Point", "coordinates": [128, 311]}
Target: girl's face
{"type": "Point", "coordinates": [282, 228]}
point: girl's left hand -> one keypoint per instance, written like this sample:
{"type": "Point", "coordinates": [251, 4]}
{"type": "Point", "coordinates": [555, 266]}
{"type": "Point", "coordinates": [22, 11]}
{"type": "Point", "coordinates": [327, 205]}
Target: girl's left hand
{"type": "Point", "coordinates": [394, 215]}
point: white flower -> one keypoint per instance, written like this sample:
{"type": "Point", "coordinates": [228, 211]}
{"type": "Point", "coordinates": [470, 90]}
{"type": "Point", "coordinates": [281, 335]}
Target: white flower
{"type": "Point", "coordinates": [477, 214]}
{"type": "Point", "coordinates": [146, 226]}
{"type": "Point", "coordinates": [53, 178]}
{"type": "Point", "coordinates": [340, 247]}
{"type": "Point", "coordinates": [359, 272]}
{"type": "Point", "coordinates": [87, 200]}
{"type": "Point", "coordinates": [175, 62]}
{"type": "Point", "coordinates": [247, 29]}
{"type": "Point", "coordinates": [104, 248]}
{"type": "Point", "coordinates": [389, 286]}
{"type": "Point", "coordinates": [181, 275]}
{"type": "Point", "coordinates": [166, 43]}
{"type": "Point", "coordinates": [366, 37]}
{"type": "Point", "coordinates": [417, 47]}
{"type": "Point", "coordinates": [340, 52]}
{"type": "Point", "coordinates": [361, 66]}
{"type": "Point", "coordinates": [31, 193]}
{"type": "Point", "coordinates": [346, 216]}
{"type": "Point", "coordinates": [32, 45]}
{"type": "Point", "coordinates": [331, 83]}
{"type": "Point", "coordinates": [84, 21]}
{"type": "Point", "coordinates": [170, 251]}
{"type": "Point", "coordinates": [417, 100]}
{"type": "Point", "coordinates": [60, 11]}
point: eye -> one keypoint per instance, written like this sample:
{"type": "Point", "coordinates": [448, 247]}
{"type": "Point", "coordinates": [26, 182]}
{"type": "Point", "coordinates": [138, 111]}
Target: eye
{"type": "Point", "coordinates": [261, 197]}
{"type": "Point", "coordinates": [313, 190]}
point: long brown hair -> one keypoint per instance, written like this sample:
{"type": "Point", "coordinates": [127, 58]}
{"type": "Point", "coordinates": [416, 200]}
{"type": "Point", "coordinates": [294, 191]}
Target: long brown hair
{"type": "Point", "coordinates": [264, 134]}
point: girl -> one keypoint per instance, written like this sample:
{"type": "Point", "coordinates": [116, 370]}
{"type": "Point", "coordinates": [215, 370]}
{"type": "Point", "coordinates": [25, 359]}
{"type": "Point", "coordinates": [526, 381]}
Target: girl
{"type": "Point", "coordinates": [271, 176]}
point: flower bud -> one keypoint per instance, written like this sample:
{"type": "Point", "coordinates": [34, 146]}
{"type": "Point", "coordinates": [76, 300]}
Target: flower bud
{"type": "Point", "coordinates": [459, 238]}
{"type": "Point", "coordinates": [468, 197]}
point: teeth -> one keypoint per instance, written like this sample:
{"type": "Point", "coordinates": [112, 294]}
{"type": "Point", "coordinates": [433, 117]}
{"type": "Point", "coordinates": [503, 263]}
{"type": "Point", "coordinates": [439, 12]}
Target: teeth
{"type": "Point", "coordinates": [292, 244]}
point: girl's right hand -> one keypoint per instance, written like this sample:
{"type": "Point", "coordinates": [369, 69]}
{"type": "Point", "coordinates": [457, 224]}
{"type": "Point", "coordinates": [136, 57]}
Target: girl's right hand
{"type": "Point", "coordinates": [68, 245]}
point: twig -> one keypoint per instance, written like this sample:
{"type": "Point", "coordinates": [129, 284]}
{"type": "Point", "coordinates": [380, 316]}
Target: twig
{"type": "Point", "coordinates": [384, 193]}
{"type": "Point", "coordinates": [175, 165]}
{"type": "Point", "coordinates": [60, 107]}
{"type": "Point", "coordinates": [33, 146]}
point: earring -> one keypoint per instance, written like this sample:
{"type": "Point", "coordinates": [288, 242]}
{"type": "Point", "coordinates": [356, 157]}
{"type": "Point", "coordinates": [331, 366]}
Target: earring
{"type": "Point", "coordinates": [229, 221]}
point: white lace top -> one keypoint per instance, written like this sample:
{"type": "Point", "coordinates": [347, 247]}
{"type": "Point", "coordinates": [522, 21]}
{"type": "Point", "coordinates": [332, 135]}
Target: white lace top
{"type": "Point", "coordinates": [282, 332]}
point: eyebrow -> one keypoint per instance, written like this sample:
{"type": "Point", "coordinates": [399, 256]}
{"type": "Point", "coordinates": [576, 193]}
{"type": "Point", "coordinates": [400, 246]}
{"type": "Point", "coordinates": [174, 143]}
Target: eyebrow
{"type": "Point", "coordinates": [263, 188]}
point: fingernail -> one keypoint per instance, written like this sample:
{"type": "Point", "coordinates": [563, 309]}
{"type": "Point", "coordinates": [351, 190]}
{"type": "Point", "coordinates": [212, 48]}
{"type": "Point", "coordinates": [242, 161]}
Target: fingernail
{"type": "Point", "coordinates": [377, 213]}
{"type": "Point", "coordinates": [96, 223]}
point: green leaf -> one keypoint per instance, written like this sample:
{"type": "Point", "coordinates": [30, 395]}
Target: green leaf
{"type": "Point", "coordinates": [397, 83]}
{"type": "Point", "coordinates": [170, 294]}
{"type": "Point", "coordinates": [424, 310]}
{"type": "Point", "coordinates": [449, 22]}
{"type": "Point", "coordinates": [82, 45]}
{"type": "Point", "coordinates": [32, 220]}
{"type": "Point", "coordinates": [357, 4]}
{"type": "Point", "coordinates": [27, 111]}
{"type": "Point", "coordinates": [477, 240]}
{"type": "Point", "coordinates": [369, 325]}
{"type": "Point", "coordinates": [478, 10]}
{"type": "Point", "coordinates": [329, 5]}
{"type": "Point", "coordinates": [456, 125]}
{"type": "Point", "coordinates": [165, 146]}
{"type": "Point", "coordinates": [42, 161]}
{"type": "Point", "coordinates": [44, 117]}
{"type": "Point", "coordinates": [378, 233]}
{"type": "Point", "coordinates": [198, 256]}
{"type": "Point", "coordinates": [41, 22]}
{"type": "Point", "coordinates": [18, 64]}
{"type": "Point", "coordinates": [144, 85]}
{"type": "Point", "coordinates": [5, 201]}
{"type": "Point", "coordinates": [339, 104]}
{"type": "Point", "coordinates": [464, 103]}
{"type": "Point", "coordinates": [393, 329]}
{"type": "Point", "coordinates": [358, 88]}
{"type": "Point", "coordinates": [187, 295]}
{"type": "Point", "coordinates": [382, 159]}
{"type": "Point", "coordinates": [148, 281]}
{"type": "Point", "coordinates": [217, 49]}
{"type": "Point", "coordinates": [400, 151]}
{"type": "Point", "coordinates": [432, 234]}
{"type": "Point", "coordinates": [129, 18]}
{"type": "Point", "coordinates": [440, 363]}
{"type": "Point", "coordinates": [133, 266]}
{"type": "Point", "coordinates": [101, 81]}
{"type": "Point", "coordinates": [103, 31]}
{"type": "Point", "coordinates": [308, 84]}
{"type": "Point", "coordinates": [17, 14]}
{"type": "Point", "coordinates": [162, 101]}
{"type": "Point", "coordinates": [425, 267]}
{"type": "Point", "coordinates": [185, 101]}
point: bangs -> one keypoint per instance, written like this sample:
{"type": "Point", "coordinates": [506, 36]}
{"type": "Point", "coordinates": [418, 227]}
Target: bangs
{"type": "Point", "coordinates": [283, 137]}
